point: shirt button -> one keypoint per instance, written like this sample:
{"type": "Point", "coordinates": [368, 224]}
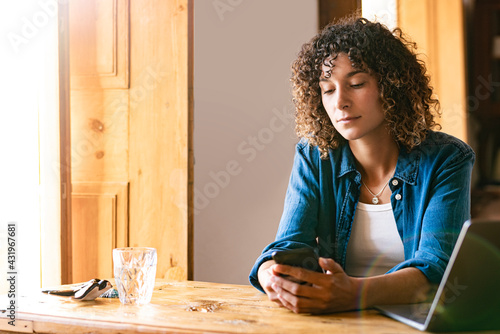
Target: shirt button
{"type": "Point", "coordinates": [395, 182]}
{"type": "Point", "coordinates": [398, 196]}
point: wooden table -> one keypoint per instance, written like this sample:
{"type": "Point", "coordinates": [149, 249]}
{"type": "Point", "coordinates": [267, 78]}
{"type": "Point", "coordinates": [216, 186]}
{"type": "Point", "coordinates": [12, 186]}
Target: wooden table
{"type": "Point", "coordinates": [188, 307]}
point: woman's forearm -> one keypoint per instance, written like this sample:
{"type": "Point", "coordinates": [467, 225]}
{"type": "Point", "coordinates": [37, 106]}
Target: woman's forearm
{"type": "Point", "coordinates": [408, 285]}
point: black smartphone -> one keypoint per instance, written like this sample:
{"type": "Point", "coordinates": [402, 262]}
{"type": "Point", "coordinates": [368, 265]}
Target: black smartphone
{"type": "Point", "coordinates": [298, 257]}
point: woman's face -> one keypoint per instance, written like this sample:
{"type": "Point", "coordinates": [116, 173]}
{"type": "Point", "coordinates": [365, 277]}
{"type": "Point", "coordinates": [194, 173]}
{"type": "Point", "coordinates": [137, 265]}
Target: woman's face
{"type": "Point", "coordinates": [351, 98]}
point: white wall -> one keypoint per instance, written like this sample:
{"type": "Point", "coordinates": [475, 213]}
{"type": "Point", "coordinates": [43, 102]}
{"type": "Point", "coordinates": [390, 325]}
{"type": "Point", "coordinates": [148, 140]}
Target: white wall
{"type": "Point", "coordinates": [29, 145]}
{"type": "Point", "coordinates": [244, 129]}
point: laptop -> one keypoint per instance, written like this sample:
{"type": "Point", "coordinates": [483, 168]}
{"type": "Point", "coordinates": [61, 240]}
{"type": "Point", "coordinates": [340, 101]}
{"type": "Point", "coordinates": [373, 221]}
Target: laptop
{"type": "Point", "coordinates": [468, 297]}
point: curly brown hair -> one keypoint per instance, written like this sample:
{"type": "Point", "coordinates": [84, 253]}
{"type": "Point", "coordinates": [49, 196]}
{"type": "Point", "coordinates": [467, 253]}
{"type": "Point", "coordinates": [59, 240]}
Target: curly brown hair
{"type": "Point", "coordinates": [405, 93]}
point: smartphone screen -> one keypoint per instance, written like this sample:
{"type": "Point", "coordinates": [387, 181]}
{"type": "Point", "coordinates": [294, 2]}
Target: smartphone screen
{"type": "Point", "coordinates": [299, 257]}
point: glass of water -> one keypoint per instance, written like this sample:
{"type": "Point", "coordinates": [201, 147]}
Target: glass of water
{"type": "Point", "coordinates": [135, 271]}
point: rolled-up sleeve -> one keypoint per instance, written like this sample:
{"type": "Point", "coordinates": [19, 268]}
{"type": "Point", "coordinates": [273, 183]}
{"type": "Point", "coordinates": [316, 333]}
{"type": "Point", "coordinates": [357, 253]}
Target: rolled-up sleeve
{"type": "Point", "coordinates": [439, 204]}
{"type": "Point", "coordinates": [298, 223]}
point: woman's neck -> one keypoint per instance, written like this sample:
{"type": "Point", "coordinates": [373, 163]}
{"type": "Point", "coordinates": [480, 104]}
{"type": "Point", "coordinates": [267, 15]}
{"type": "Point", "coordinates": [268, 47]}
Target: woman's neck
{"type": "Point", "coordinates": [375, 159]}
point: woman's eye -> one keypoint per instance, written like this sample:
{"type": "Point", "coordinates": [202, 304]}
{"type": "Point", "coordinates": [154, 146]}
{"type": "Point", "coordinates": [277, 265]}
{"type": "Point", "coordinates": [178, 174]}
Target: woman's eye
{"type": "Point", "coordinates": [326, 92]}
{"type": "Point", "coordinates": [358, 85]}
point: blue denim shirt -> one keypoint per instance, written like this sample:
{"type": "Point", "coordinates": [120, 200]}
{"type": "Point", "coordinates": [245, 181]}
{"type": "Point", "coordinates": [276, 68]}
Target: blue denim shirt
{"type": "Point", "coordinates": [430, 201]}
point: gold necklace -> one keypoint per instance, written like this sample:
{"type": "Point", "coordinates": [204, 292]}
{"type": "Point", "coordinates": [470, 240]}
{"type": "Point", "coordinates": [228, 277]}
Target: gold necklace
{"type": "Point", "coordinates": [375, 199]}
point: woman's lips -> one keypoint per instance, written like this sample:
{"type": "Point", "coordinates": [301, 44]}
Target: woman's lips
{"type": "Point", "coordinates": [346, 120]}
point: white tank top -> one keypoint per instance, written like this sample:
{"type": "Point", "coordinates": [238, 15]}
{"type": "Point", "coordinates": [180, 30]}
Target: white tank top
{"type": "Point", "coordinates": [374, 246]}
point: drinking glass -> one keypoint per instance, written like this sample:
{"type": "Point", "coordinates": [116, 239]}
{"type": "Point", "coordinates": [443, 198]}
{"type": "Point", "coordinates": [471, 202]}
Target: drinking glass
{"type": "Point", "coordinates": [135, 271]}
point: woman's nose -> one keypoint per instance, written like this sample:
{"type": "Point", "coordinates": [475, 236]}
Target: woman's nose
{"type": "Point", "coordinates": [343, 101]}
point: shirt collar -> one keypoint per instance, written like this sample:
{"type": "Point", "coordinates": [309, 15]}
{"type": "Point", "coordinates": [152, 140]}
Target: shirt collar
{"type": "Point", "coordinates": [347, 161]}
{"type": "Point", "coordinates": [406, 169]}
{"type": "Point", "coordinates": [408, 163]}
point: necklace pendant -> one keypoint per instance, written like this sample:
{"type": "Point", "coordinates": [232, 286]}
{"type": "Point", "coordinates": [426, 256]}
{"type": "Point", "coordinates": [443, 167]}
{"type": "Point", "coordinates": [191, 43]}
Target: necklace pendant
{"type": "Point", "coordinates": [375, 200]}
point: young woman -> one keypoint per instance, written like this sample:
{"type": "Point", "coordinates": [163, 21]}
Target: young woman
{"type": "Point", "coordinates": [374, 190]}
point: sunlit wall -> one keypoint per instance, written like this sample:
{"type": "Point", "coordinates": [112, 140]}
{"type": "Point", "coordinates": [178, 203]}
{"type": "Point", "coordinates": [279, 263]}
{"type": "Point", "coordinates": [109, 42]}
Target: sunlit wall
{"type": "Point", "coordinates": [384, 11]}
{"type": "Point", "coordinates": [28, 126]}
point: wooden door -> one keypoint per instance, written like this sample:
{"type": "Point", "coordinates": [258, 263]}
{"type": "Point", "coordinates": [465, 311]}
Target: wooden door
{"type": "Point", "coordinates": [131, 118]}
{"type": "Point", "coordinates": [484, 87]}
{"type": "Point", "coordinates": [334, 10]}
{"type": "Point", "coordinates": [438, 29]}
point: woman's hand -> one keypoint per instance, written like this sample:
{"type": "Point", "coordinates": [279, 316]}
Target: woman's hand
{"type": "Point", "coordinates": [305, 291]}
{"type": "Point", "coordinates": [265, 275]}
{"type": "Point", "coordinates": [324, 293]}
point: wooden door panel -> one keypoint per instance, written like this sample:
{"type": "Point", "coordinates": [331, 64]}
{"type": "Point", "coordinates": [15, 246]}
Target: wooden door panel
{"type": "Point", "coordinates": [99, 42]}
{"type": "Point", "coordinates": [99, 135]}
{"type": "Point", "coordinates": [100, 223]}
{"type": "Point", "coordinates": [131, 138]}
{"type": "Point", "coordinates": [99, 74]}
{"type": "Point", "coordinates": [92, 237]}
{"type": "Point", "coordinates": [159, 135]}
